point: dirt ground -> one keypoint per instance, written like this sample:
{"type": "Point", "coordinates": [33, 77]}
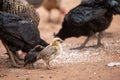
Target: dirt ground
{"type": "Point", "coordinates": [85, 64]}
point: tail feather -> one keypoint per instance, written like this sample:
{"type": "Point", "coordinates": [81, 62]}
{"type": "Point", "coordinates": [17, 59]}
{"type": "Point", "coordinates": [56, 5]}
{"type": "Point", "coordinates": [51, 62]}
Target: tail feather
{"type": "Point", "coordinates": [115, 6]}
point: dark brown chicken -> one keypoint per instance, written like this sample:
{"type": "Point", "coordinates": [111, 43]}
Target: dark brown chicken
{"type": "Point", "coordinates": [23, 9]}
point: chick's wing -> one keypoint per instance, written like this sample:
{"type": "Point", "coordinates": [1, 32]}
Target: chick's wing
{"type": "Point", "coordinates": [48, 51]}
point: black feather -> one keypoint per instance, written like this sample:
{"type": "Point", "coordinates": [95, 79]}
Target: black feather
{"type": "Point", "coordinates": [30, 59]}
{"type": "Point", "coordinates": [19, 34]}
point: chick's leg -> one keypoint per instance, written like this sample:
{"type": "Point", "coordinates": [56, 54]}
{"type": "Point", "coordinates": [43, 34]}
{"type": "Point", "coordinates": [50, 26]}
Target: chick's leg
{"type": "Point", "coordinates": [31, 66]}
{"type": "Point", "coordinates": [48, 64]}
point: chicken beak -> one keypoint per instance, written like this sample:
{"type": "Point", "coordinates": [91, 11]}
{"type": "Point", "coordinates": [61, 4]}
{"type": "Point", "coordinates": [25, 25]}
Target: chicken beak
{"type": "Point", "coordinates": [61, 41]}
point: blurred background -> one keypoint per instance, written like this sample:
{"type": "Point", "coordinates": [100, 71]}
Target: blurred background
{"type": "Point", "coordinates": [48, 28]}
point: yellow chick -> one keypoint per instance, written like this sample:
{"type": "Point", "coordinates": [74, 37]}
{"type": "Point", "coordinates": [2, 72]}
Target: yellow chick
{"type": "Point", "coordinates": [51, 51]}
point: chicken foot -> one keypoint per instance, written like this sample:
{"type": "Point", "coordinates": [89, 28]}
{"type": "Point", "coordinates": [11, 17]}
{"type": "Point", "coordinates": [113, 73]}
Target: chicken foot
{"type": "Point", "coordinates": [83, 44]}
{"type": "Point", "coordinates": [88, 38]}
{"type": "Point", "coordinates": [14, 63]}
{"type": "Point", "coordinates": [18, 59]}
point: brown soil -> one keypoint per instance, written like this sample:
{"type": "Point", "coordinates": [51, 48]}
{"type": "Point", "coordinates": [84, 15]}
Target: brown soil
{"type": "Point", "coordinates": [85, 64]}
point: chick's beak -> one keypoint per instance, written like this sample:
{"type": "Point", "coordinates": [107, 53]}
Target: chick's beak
{"type": "Point", "coordinates": [61, 41]}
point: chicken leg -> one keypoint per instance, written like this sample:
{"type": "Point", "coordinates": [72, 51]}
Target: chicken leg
{"type": "Point", "coordinates": [83, 44]}
{"type": "Point", "coordinates": [14, 63]}
{"type": "Point", "coordinates": [99, 39]}
{"type": "Point", "coordinates": [47, 64]}
{"type": "Point", "coordinates": [88, 38]}
{"type": "Point", "coordinates": [18, 59]}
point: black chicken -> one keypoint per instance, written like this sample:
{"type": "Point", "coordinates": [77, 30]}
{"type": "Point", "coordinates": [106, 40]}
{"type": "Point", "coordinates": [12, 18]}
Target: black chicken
{"type": "Point", "coordinates": [1, 3]}
{"type": "Point", "coordinates": [17, 34]}
{"type": "Point", "coordinates": [89, 18]}
{"type": "Point", "coordinates": [32, 55]}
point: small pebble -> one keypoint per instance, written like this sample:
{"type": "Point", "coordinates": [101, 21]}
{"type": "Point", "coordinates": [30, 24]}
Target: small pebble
{"type": "Point", "coordinates": [42, 77]}
{"type": "Point", "coordinates": [3, 75]}
{"type": "Point", "coordinates": [27, 78]}
{"type": "Point", "coordinates": [50, 77]}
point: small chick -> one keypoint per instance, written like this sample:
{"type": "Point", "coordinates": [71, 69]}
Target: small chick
{"type": "Point", "coordinates": [51, 51]}
{"type": "Point", "coordinates": [31, 57]}
{"type": "Point", "coordinates": [47, 54]}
